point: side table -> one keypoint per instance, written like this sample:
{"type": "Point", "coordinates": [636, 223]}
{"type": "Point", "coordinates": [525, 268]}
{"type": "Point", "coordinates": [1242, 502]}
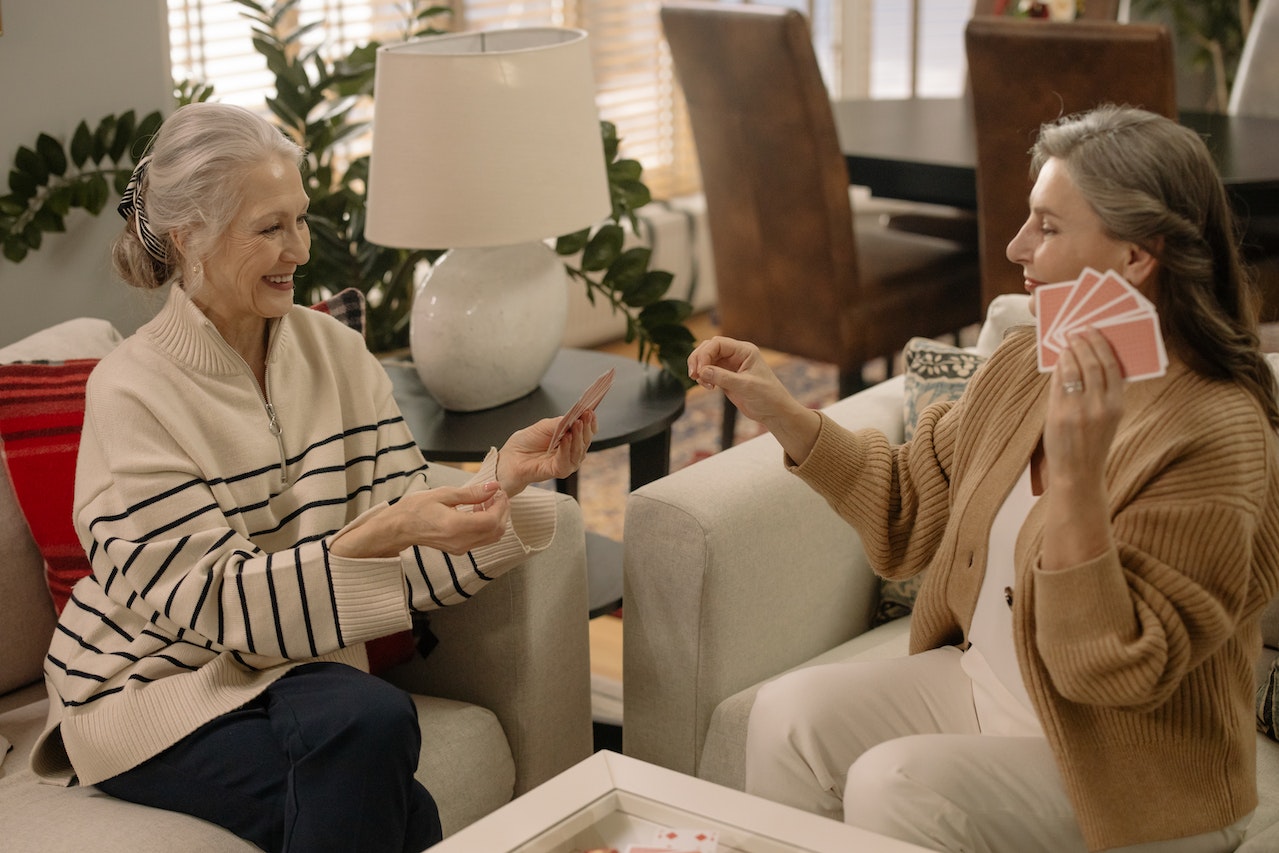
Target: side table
{"type": "Point", "coordinates": [638, 411]}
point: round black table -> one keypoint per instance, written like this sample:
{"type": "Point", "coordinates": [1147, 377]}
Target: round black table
{"type": "Point", "coordinates": [638, 411]}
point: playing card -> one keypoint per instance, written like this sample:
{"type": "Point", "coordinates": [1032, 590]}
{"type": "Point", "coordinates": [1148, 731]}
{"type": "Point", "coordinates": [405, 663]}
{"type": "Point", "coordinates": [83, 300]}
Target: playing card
{"type": "Point", "coordinates": [1109, 304]}
{"type": "Point", "coordinates": [1080, 287]}
{"type": "Point", "coordinates": [1138, 346]}
{"type": "Point", "coordinates": [590, 398]}
{"type": "Point", "coordinates": [1049, 299]}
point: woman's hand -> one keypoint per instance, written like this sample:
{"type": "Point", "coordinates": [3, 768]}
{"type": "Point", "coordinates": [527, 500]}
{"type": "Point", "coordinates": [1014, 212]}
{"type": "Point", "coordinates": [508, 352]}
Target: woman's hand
{"type": "Point", "coordinates": [1085, 403]}
{"type": "Point", "coordinates": [450, 519]}
{"type": "Point", "coordinates": [527, 457]}
{"type": "Point", "coordinates": [738, 369]}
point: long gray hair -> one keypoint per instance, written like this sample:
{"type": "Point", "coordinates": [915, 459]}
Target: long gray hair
{"type": "Point", "coordinates": [1152, 182]}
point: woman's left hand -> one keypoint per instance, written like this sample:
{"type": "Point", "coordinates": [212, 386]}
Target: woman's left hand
{"type": "Point", "coordinates": [527, 458]}
{"type": "Point", "coordinates": [1085, 403]}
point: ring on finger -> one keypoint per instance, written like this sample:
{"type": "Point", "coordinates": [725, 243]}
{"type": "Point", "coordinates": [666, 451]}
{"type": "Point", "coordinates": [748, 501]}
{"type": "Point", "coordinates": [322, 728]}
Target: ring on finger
{"type": "Point", "coordinates": [1074, 386]}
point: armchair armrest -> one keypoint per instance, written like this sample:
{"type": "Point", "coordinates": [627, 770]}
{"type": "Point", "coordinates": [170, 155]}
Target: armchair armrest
{"type": "Point", "coordinates": [520, 648]}
{"type": "Point", "coordinates": [734, 571]}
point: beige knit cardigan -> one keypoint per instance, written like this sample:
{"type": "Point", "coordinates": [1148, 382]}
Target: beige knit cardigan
{"type": "Point", "coordinates": [1138, 663]}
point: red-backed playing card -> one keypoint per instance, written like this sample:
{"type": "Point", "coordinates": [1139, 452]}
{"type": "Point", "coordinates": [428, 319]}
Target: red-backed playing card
{"type": "Point", "coordinates": [590, 398]}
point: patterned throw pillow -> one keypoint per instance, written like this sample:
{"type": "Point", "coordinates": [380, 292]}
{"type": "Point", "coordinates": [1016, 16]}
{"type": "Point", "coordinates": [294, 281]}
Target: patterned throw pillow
{"type": "Point", "coordinates": [1268, 703]}
{"type": "Point", "coordinates": [935, 373]}
{"type": "Point", "coordinates": [41, 417]}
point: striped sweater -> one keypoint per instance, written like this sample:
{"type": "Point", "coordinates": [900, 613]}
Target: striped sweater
{"type": "Point", "coordinates": [1138, 663]}
{"type": "Point", "coordinates": [206, 509]}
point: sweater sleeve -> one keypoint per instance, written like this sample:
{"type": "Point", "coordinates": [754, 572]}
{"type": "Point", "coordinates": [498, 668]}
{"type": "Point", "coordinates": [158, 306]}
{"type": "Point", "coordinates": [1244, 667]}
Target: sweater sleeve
{"type": "Point", "coordinates": [897, 497]}
{"type": "Point", "coordinates": [1195, 543]}
{"type": "Point", "coordinates": [437, 579]}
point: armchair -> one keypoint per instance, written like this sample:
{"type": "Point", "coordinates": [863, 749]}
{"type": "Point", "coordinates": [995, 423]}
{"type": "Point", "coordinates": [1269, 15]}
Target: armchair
{"type": "Point", "coordinates": [503, 701]}
{"type": "Point", "coordinates": [736, 572]}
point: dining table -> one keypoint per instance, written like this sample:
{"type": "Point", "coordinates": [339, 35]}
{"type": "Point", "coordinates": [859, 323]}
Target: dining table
{"type": "Point", "coordinates": [925, 150]}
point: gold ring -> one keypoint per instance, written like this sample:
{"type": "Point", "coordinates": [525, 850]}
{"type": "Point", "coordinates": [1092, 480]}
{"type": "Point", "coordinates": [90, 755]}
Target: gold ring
{"type": "Point", "coordinates": [1073, 387]}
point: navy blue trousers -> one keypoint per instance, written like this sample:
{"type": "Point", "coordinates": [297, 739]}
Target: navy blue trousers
{"type": "Point", "coordinates": [322, 761]}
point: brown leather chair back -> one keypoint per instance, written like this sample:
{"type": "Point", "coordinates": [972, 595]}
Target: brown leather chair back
{"type": "Point", "coordinates": [1024, 73]}
{"type": "Point", "coordinates": [791, 273]}
{"type": "Point", "coordinates": [772, 171]}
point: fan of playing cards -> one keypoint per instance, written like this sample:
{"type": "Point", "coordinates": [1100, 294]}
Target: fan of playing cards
{"type": "Point", "coordinates": [1112, 306]}
{"type": "Point", "coordinates": [590, 398]}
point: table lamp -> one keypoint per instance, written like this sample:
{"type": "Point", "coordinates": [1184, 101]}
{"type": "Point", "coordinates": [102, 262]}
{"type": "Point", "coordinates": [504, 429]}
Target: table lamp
{"type": "Point", "coordinates": [486, 144]}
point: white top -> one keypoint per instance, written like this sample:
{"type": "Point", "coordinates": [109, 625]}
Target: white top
{"type": "Point", "coordinates": [999, 694]}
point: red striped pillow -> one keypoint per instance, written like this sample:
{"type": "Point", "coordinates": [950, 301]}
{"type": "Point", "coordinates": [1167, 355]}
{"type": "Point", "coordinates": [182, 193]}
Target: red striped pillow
{"type": "Point", "coordinates": [41, 414]}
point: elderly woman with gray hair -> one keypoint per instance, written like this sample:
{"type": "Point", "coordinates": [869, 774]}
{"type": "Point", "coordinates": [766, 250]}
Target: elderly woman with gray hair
{"type": "Point", "coordinates": [255, 510]}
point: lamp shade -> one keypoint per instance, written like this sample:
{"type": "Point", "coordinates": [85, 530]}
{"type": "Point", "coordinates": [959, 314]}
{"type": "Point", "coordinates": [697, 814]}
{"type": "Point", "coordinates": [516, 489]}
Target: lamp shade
{"type": "Point", "coordinates": [485, 139]}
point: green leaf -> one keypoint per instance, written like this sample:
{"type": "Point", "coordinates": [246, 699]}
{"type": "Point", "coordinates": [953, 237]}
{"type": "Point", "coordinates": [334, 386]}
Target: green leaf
{"type": "Point", "coordinates": [29, 163]}
{"type": "Point", "coordinates": [11, 206]}
{"type": "Point", "coordinates": [603, 249]}
{"type": "Point", "coordinates": [14, 248]}
{"type": "Point", "coordinates": [32, 236]}
{"type": "Point", "coordinates": [22, 185]}
{"type": "Point", "coordinates": [625, 171]}
{"type": "Point", "coordinates": [47, 220]}
{"type": "Point", "coordinates": [571, 244]}
{"type": "Point", "coordinates": [102, 138]}
{"type": "Point", "coordinates": [147, 129]}
{"type": "Point", "coordinates": [627, 271]}
{"type": "Point", "coordinates": [608, 131]}
{"type": "Point", "coordinates": [120, 181]}
{"type": "Point", "coordinates": [634, 193]}
{"type": "Point", "coordinates": [96, 193]}
{"type": "Point", "coordinates": [666, 312]}
{"type": "Point", "coordinates": [122, 135]}
{"type": "Point", "coordinates": [59, 199]}
{"type": "Point", "coordinates": [52, 153]}
{"type": "Point", "coordinates": [651, 287]}
{"type": "Point", "coordinates": [81, 145]}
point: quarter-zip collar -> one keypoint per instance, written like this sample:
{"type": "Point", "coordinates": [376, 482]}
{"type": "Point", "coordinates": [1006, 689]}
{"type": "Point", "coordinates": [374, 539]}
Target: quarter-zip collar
{"type": "Point", "coordinates": [181, 330]}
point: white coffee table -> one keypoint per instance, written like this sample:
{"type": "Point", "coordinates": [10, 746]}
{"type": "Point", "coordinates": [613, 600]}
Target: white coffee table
{"type": "Point", "coordinates": [611, 800]}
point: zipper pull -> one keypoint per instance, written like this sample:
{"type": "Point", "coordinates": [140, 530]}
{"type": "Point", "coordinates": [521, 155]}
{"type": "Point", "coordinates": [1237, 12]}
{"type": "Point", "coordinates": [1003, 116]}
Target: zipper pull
{"type": "Point", "coordinates": [275, 423]}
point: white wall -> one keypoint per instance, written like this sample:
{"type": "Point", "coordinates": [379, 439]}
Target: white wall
{"type": "Point", "coordinates": [62, 61]}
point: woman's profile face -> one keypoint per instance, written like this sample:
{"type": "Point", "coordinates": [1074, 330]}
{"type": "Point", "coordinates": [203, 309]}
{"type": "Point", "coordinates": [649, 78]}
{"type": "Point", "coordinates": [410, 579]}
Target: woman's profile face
{"type": "Point", "coordinates": [249, 276]}
{"type": "Point", "coordinates": [1063, 234]}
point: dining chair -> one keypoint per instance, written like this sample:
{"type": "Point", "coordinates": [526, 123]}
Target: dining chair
{"type": "Point", "coordinates": [1024, 73]}
{"type": "Point", "coordinates": [792, 272]}
{"type": "Point", "coordinates": [961, 225]}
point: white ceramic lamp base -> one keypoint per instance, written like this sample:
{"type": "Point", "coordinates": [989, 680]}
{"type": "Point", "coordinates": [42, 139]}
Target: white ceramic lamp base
{"type": "Point", "coordinates": [487, 323]}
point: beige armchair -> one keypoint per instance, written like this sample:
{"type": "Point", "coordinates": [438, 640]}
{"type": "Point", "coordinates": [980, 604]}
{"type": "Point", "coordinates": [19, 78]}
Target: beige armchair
{"type": "Point", "coordinates": [503, 701]}
{"type": "Point", "coordinates": [736, 571]}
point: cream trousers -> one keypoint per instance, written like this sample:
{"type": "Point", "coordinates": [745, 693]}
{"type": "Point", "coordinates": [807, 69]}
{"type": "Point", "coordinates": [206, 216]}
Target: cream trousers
{"type": "Point", "coordinates": [894, 746]}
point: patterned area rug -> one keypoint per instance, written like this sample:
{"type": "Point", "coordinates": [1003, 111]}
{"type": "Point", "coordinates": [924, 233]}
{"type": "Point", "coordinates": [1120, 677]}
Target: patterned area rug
{"type": "Point", "coordinates": [605, 475]}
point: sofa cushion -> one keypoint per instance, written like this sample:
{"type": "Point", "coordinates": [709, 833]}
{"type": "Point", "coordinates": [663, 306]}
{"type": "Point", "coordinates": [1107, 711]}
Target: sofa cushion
{"type": "Point", "coordinates": [935, 373]}
{"type": "Point", "coordinates": [461, 743]}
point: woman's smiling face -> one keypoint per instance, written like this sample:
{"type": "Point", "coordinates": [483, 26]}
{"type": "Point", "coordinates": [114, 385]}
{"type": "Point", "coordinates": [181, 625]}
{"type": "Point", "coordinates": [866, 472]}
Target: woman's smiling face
{"type": "Point", "coordinates": [249, 276]}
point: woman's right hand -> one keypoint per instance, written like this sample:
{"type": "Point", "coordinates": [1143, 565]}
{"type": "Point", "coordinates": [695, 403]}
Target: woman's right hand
{"type": "Point", "coordinates": [450, 519]}
{"type": "Point", "coordinates": [739, 370]}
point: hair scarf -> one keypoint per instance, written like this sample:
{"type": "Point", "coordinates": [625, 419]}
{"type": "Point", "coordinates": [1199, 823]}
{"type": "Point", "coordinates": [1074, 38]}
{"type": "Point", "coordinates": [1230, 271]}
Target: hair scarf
{"type": "Point", "coordinates": [131, 207]}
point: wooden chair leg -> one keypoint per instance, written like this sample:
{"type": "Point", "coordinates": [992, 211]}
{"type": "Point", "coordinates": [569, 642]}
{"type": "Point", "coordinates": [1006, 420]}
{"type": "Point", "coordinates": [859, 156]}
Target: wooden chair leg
{"type": "Point", "coordinates": [853, 381]}
{"type": "Point", "coordinates": [728, 426]}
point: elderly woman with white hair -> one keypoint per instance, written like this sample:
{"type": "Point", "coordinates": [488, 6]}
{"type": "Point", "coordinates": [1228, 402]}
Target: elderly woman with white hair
{"type": "Point", "coordinates": [255, 510]}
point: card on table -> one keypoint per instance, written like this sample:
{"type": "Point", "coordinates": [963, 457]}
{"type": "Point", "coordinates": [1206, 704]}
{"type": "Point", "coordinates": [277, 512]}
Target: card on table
{"type": "Point", "coordinates": [1112, 306]}
{"type": "Point", "coordinates": [590, 398]}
